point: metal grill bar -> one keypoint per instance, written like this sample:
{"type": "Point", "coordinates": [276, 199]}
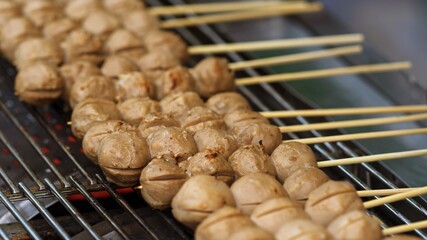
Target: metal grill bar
{"type": "Point", "coordinates": [71, 209]}
{"type": "Point", "coordinates": [99, 208]}
{"type": "Point", "coordinates": [8, 181]}
{"type": "Point", "coordinates": [3, 235]}
{"type": "Point", "coordinates": [44, 212]}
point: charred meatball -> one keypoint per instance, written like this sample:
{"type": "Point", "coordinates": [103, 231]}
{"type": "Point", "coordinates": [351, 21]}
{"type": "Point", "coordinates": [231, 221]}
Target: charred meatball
{"type": "Point", "coordinates": [155, 63]}
{"type": "Point", "coordinates": [261, 134]}
{"type": "Point", "coordinates": [178, 104]}
{"type": "Point", "coordinates": [134, 110]}
{"type": "Point", "coordinates": [133, 85]}
{"type": "Point", "coordinates": [211, 163]}
{"type": "Point", "coordinates": [174, 80]}
{"type": "Point", "coordinates": [199, 118]}
{"type": "Point", "coordinates": [92, 87]}
{"type": "Point", "coordinates": [215, 140]}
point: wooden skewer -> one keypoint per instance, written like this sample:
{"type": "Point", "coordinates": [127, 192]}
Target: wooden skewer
{"type": "Point", "coordinates": [383, 192]}
{"type": "Point", "coordinates": [277, 44]}
{"type": "Point", "coordinates": [304, 75]}
{"type": "Point", "coordinates": [372, 158]}
{"type": "Point", "coordinates": [395, 197]}
{"type": "Point", "coordinates": [293, 58]}
{"type": "Point", "coordinates": [344, 111]}
{"type": "Point", "coordinates": [359, 136]}
{"type": "Point", "coordinates": [353, 123]}
{"type": "Point", "coordinates": [243, 15]}
{"type": "Point", "coordinates": [405, 228]}
{"type": "Point", "coordinates": [215, 7]}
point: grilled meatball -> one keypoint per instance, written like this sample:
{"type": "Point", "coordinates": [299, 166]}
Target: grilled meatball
{"type": "Point", "coordinates": [8, 10]}
{"type": "Point", "coordinates": [331, 200]}
{"type": "Point", "coordinates": [213, 76]}
{"type": "Point", "coordinates": [37, 50]}
{"type": "Point", "coordinates": [134, 110]}
{"type": "Point", "coordinates": [79, 9]}
{"type": "Point", "coordinates": [178, 104]}
{"type": "Point", "coordinates": [92, 87]}
{"type": "Point", "coordinates": [122, 7]}
{"type": "Point", "coordinates": [223, 103]}
{"type": "Point", "coordinates": [211, 163]}
{"type": "Point", "coordinates": [199, 197]}
{"type": "Point", "coordinates": [140, 22]}
{"type": "Point", "coordinates": [301, 229]}
{"type": "Point", "coordinates": [198, 118]}
{"type": "Point", "coordinates": [160, 180]}
{"type": "Point", "coordinates": [15, 31]}
{"type": "Point", "coordinates": [133, 85]}
{"type": "Point", "coordinates": [58, 29]}
{"type": "Point", "coordinates": [81, 45]}
{"type": "Point", "coordinates": [222, 224]}
{"type": "Point", "coordinates": [155, 63]}
{"type": "Point", "coordinates": [243, 117]}
{"type": "Point", "coordinates": [41, 12]}
{"type": "Point", "coordinates": [115, 65]}
{"type": "Point", "coordinates": [122, 156]}
{"type": "Point", "coordinates": [99, 131]}
{"type": "Point", "coordinates": [171, 142]}
{"type": "Point", "coordinates": [261, 134]}
{"type": "Point", "coordinates": [272, 214]}
{"type": "Point", "coordinates": [255, 188]}
{"type": "Point", "coordinates": [91, 111]}
{"type": "Point", "coordinates": [73, 71]}
{"type": "Point", "coordinates": [291, 156]}
{"type": "Point", "coordinates": [303, 181]}
{"type": "Point", "coordinates": [251, 159]}
{"type": "Point", "coordinates": [124, 43]}
{"type": "Point", "coordinates": [355, 225]}
{"type": "Point", "coordinates": [167, 42]}
{"type": "Point", "coordinates": [100, 23]}
{"type": "Point", "coordinates": [174, 80]}
{"type": "Point", "coordinates": [39, 84]}
{"type": "Point", "coordinates": [155, 121]}
{"type": "Point", "coordinates": [251, 233]}
{"type": "Point", "coordinates": [216, 140]}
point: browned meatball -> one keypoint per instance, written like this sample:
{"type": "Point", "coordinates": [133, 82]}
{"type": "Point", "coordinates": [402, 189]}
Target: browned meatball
{"type": "Point", "coordinates": [216, 140]}
{"type": "Point", "coordinates": [213, 76]}
{"type": "Point", "coordinates": [355, 225]}
{"type": "Point", "coordinates": [8, 10]}
{"type": "Point", "coordinates": [79, 9]}
{"type": "Point", "coordinates": [73, 71]}
{"type": "Point", "coordinates": [90, 112]}
{"type": "Point", "coordinates": [115, 65]}
{"type": "Point", "coordinates": [155, 63]}
{"type": "Point", "coordinates": [39, 84]}
{"type": "Point", "coordinates": [255, 188]}
{"type": "Point", "coordinates": [272, 214]}
{"type": "Point", "coordinates": [223, 103]}
{"type": "Point", "coordinates": [123, 7]}
{"type": "Point", "coordinates": [99, 131]}
{"type": "Point", "coordinates": [100, 23]}
{"type": "Point", "coordinates": [301, 229]}
{"type": "Point", "coordinates": [251, 159]}
{"type": "Point", "coordinates": [160, 180]}
{"type": "Point", "coordinates": [140, 22]}
{"type": "Point", "coordinates": [303, 181]}
{"type": "Point", "coordinates": [172, 142]}
{"type": "Point", "coordinates": [124, 43]}
{"type": "Point", "coordinates": [133, 85]}
{"type": "Point", "coordinates": [59, 29]}
{"type": "Point", "coordinates": [15, 31]}
{"type": "Point", "coordinates": [288, 157]}
{"type": "Point", "coordinates": [251, 233]}
{"type": "Point", "coordinates": [211, 163]}
{"type": "Point", "coordinates": [92, 87]}
{"type": "Point", "coordinates": [331, 200]}
{"type": "Point", "coordinates": [174, 80]}
{"type": "Point", "coordinates": [261, 134]}
{"type": "Point", "coordinates": [152, 122]}
{"type": "Point", "coordinates": [122, 156]}
{"type": "Point", "coordinates": [200, 196]}
{"type": "Point", "coordinates": [41, 12]}
{"type": "Point", "coordinates": [37, 50]}
{"type": "Point", "coordinates": [167, 42]}
{"type": "Point", "coordinates": [222, 224]}
{"type": "Point", "coordinates": [81, 45]}
{"type": "Point", "coordinates": [134, 110]}
{"type": "Point", "coordinates": [242, 117]}
{"type": "Point", "coordinates": [199, 117]}
{"type": "Point", "coordinates": [178, 104]}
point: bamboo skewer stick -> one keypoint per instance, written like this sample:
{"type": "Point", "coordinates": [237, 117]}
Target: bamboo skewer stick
{"type": "Point", "coordinates": [359, 136]}
{"type": "Point", "coordinates": [405, 228]}
{"type": "Point", "coordinates": [293, 58]}
{"type": "Point", "coordinates": [304, 75]}
{"type": "Point", "coordinates": [372, 158]}
{"type": "Point", "coordinates": [277, 44]}
{"type": "Point", "coordinates": [353, 123]}
{"type": "Point", "coordinates": [395, 197]}
{"type": "Point", "coordinates": [344, 111]}
{"type": "Point", "coordinates": [383, 192]}
{"type": "Point", "coordinates": [243, 15]}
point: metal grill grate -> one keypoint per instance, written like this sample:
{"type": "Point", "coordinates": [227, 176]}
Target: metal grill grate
{"type": "Point", "coordinates": [42, 164]}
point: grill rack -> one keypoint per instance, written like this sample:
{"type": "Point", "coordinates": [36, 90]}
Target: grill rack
{"type": "Point", "coordinates": [49, 160]}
